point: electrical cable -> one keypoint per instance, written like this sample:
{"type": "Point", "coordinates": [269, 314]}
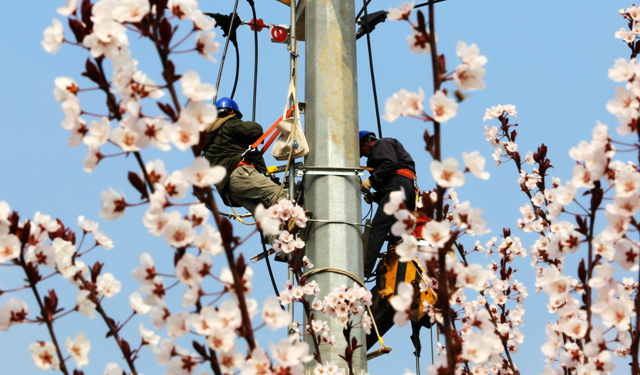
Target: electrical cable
{"type": "Point", "coordinates": [235, 81]}
{"type": "Point", "coordinates": [362, 10]}
{"type": "Point", "coordinates": [255, 65]}
{"type": "Point", "coordinates": [427, 3]}
{"type": "Point", "coordinates": [415, 7]}
{"type": "Point", "coordinates": [373, 77]}
{"type": "Point", "coordinates": [368, 212]}
{"type": "Point", "coordinates": [273, 280]}
{"type": "Point", "coordinates": [226, 46]}
{"type": "Point", "coordinates": [253, 118]}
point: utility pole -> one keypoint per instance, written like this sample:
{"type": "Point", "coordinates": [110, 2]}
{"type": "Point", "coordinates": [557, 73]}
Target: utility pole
{"type": "Point", "coordinates": [332, 193]}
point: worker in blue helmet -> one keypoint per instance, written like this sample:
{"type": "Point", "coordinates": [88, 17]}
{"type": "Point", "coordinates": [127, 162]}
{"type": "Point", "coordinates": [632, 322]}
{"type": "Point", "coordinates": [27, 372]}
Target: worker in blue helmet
{"type": "Point", "coordinates": [228, 139]}
{"type": "Point", "coordinates": [393, 169]}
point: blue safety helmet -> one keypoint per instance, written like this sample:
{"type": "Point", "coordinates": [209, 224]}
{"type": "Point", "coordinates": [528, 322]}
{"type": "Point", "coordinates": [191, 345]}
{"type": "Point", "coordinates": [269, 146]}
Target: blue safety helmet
{"type": "Point", "coordinates": [226, 103]}
{"type": "Point", "coordinates": [364, 133]}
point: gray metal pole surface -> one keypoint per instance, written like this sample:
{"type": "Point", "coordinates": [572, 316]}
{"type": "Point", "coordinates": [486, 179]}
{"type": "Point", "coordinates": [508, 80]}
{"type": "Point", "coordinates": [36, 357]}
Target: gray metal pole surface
{"type": "Point", "coordinates": [293, 101]}
{"type": "Point", "coordinates": [331, 118]}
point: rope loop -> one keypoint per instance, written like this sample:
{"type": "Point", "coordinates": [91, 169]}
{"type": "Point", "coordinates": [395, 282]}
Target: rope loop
{"type": "Point", "coordinates": [357, 280]}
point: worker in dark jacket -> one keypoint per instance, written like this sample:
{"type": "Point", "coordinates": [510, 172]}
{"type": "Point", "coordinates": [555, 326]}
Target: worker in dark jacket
{"type": "Point", "coordinates": [392, 169]}
{"type": "Point", "coordinates": [227, 142]}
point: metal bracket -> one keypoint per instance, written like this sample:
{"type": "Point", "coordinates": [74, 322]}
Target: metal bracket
{"type": "Point", "coordinates": [329, 171]}
{"type": "Point", "coordinates": [259, 257]}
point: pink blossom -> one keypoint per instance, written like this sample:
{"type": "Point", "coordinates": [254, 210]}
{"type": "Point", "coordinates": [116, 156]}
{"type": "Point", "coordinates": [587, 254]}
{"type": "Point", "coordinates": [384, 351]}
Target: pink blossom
{"type": "Point", "coordinates": [182, 8]}
{"type": "Point", "coordinates": [499, 110]}
{"type": "Point", "coordinates": [183, 135]}
{"type": "Point", "coordinates": [267, 224]}
{"type": "Point", "coordinates": [201, 21]}
{"type": "Point", "coordinates": [206, 46]}
{"type": "Point", "coordinates": [258, 364]}
{"type": "Point", "coordinates": [447, 173]}
{"type": "Point", "coordinates": [403, 13]}
{"type": "Point", "coordinates": [44, 355]}
{"type": "Point", "coordinates": [408, 248]}
{"type": "Point", "coordinates": [137, 304]}
{"type": "Point", "coordinates": [68, 9]}
{"type": "Point", "coordinates": [474, 162]}
{"type": "Point", "coordinates": [210, 241]}
{"type": "Point", "coordinates": [401, 302]}
{"type": "Point", "coordinates": [437, 233]}
{"type": "Point", "coordinates": [406, 223]}
{"type": "Point", "coordinates": [9, 247]}
{"type": "Point", "coordinates": [99, 133]}
{"type": "Point", "coordinates": [84, 305]}
{"type": "Point", "coordinates": [179, 233]}
{"type": "Point", "coordinates": [404, 103]}
{"type": "Point", "coordinates": [65, 88]}
{"type": "Point", "coordinates": [443, 108]}
{"type": "Point", "coordinates": [627, 254]}
{"type": "Point", "coordinates": [108, 286]}
{"type": "Point", "coordinates": [202, 174]}
{"type": "Point", "coordinates": [621, 71]}
{"type": "Point", "coordinates": [419, 42]}
{"type": "Point", "coordinates": [176, 185]}
{"type": "Point", "coordinates": [626, 36]}
{"type": "Point", "coordinates": [273, 315]}
{"type": "Point", "coordinates": [53, 37]}
{"type": "Point", "coordinates": [131, 10]}
{"type": "Point", "coordinates": [200, 114]}
{"type": "Point", "coordinates": [14, 311]}
{"type": "Point", "coordinates": [396, 200]}
{"type": "Point", "coordinates": [79, 349]}
{"type": "Point", "coordinates": [193, 89]}
{"type": "Point", "coordinates": [113, 205]}
{"type": "Point", "coordinates": [178, 324]}
{"type": "Point", "coordinates": [108, 38]}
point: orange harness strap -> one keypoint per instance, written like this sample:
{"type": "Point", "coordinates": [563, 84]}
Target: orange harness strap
{"type": "Point", "coordinates": [407, 173]}
{"type": "Point", "coordinates": [270, 141]}
{"type": "Point", "coordinates": [266, 134]}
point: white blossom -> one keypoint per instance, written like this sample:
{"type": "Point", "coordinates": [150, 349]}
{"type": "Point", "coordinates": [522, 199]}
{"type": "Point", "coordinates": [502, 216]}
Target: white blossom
{"type": "Point", "coordinates": [79, 349]}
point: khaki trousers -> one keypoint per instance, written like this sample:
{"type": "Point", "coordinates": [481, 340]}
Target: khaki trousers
{"type": "Point", "coordinates": [249, 188]}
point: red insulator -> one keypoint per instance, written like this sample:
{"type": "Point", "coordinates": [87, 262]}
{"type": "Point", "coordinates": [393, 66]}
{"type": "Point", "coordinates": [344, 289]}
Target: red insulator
{"type": "Point", "coordinates": [260, 24]}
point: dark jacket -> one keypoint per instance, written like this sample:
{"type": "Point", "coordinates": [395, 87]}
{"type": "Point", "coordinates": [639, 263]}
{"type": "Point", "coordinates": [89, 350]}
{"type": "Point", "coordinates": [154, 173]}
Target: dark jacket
{"type": "Point", "coordinates": [387, 156]}
{"type": "Point", "coordinates": [225, 146]}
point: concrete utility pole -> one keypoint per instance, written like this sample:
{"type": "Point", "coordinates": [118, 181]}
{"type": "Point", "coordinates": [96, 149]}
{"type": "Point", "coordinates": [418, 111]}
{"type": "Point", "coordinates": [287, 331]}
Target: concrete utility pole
{"type": "Point", "coordinates": [332, 193]}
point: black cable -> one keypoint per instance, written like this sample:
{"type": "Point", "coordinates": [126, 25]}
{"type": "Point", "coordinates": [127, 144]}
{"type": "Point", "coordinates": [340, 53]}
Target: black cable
{"type": "Point", "coordinates": [226, 46]}
{"type": "Point", "coordinates": [255, 65]}
{"type": "Point", "coordinates": [373, 77]}
{"type": "Point", "coordinates": [368, 212]}
{"type": "Point", "coordinates": [427, 3]}
{"type": "Point", "coordinates": [253, 118]}
{"type": "Point", "coordinates": [273, 280]}
{"type": "Point", "coordinates": [362, 10]}
{"type": "Point", "coordinates": [415, 7]}
{"type": "Point", "coordinates": [235, 81]}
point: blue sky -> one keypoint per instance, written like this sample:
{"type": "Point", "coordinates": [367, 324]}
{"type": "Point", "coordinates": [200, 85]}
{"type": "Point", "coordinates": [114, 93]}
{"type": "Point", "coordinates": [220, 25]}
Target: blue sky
{"type": "Point", "coordinates": [548, 58]}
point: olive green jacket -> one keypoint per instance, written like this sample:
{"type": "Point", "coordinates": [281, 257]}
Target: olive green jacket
{"type": "Point", "coordinates": [227, 139]}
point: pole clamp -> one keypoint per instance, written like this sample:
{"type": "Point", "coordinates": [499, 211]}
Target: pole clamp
{"type": "Point", "coordinates": [328, 171]}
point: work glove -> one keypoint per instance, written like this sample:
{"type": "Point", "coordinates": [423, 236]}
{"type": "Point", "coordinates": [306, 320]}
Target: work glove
{"type": "Point", "coordinates": [366, 186]}
{"type": "Point", "coordinates": [368, 198]}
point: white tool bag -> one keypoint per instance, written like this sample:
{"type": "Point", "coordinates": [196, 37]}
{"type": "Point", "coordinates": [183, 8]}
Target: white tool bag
{"type": "Point", "coordinates": [291, 133]}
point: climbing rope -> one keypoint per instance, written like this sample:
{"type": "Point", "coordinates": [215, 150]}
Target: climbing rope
{"type": "Point", "coordinates": [383, 348]}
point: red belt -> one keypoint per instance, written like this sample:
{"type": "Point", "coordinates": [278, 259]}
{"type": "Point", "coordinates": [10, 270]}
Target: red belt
{"type": "Point", "coordinates": [407, 173]}
{"type": "Point", "coordinates": [242, 162]}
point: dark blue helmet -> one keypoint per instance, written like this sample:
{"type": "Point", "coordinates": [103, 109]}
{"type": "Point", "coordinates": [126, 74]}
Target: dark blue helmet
{"type": "Point", "coordinates": [364, 133]}
{"type": "Point", "coordinates": [227, 103]}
